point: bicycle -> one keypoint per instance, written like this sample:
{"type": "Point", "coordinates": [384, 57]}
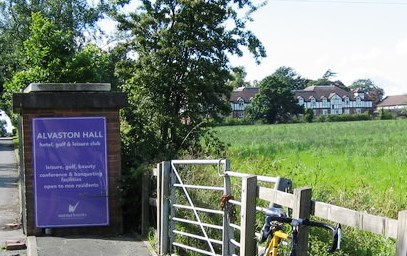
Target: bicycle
{"type": "Point", "coordinates": [273, 233]}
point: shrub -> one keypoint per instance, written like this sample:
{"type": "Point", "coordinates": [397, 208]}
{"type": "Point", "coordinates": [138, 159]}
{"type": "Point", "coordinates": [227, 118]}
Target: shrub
{"type": "Point", "coordinates": [344, 117]}
{"type": "Point", "coordinates": [230, 121]}
{"type": "Point", "coordinates": [309, 115]}
{"type": "Point", "coordinates": [385, 115]}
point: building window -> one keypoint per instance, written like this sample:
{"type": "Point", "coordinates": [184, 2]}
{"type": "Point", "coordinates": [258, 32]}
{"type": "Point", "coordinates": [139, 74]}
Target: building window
{"type": "Point", "coordinates": [324, 102]}
{"type": "Point", "coordinates": [335, 111]}
{"type": "Point", "coordinates": [358, 101]}
{"type": "Point", "coordinates": [346, 100]}
{"type": "Point", "coordinates": [313, 102]}
{"type": "Point", "coordinates": [300, 101]}
{"type": "Point", "coordinates": [241, 103]}
{"type": "Point", "coordinates": [336, 100]}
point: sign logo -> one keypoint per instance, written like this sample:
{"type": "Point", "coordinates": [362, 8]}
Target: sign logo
{"type": "Point", "coordinates": [72, 208]}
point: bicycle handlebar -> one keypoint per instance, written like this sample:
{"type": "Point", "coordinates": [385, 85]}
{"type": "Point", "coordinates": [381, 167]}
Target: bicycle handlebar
{"type": "Point", "coordinates": [336, 231]}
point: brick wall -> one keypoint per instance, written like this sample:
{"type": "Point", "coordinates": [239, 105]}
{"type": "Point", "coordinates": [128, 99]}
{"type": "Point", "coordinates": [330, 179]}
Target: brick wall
{"type": "Point", "coordinates": [111, 112]}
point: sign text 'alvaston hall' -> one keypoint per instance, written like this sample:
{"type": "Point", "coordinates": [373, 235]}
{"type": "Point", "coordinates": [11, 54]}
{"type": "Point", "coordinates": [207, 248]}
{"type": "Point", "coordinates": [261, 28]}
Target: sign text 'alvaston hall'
{"type": "Point", "coordinates": [70, 170]}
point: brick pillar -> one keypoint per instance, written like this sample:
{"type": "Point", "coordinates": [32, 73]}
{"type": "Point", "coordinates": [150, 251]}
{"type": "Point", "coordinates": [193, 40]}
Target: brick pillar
{"type": "Point", "coordinates": [70, 101]}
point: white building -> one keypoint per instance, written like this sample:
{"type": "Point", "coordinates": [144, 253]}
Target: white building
{"type": "Point", "coordinates": [394, 103]}
{"type": "Point", "coordinates": [6, 122]}
{"type": "Point", "coordinates": [332, 100]}
{"type": "Point", "coordinates": [323, 100]}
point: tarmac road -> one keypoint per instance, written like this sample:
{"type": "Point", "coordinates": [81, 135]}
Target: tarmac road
{"type": "Point", "coordinates": [51, 246]}
{"type": "Point", "coordinates": [9, 199]}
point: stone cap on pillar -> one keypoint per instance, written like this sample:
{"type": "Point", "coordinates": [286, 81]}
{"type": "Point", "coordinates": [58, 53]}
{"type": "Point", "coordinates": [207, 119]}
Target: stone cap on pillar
{"type": "Point", "coordinates": [67, 87]}
{"type": "Point", "coordinates": [68, 96]}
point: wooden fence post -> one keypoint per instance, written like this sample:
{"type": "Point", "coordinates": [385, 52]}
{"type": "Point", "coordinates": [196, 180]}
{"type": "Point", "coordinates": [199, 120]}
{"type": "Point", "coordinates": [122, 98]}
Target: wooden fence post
{"type": "Point", "coordinates": [248, 216]}
{"type": "Point", "coordinates": [158, 200]}
{"type": "Point", "coordinates": [145, 203]}
{"type": "Point", "coordinates": [228, 232]}
{"type": "Point", "coordinates": [164, 204]}
{"type": "Point", "coordinates": [302, 209]}
{"type": "Point", "coordinates": [402, 234]}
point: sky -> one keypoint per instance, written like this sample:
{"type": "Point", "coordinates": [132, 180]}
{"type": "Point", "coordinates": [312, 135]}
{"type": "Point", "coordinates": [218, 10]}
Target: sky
{"type": "Point", "coordinates": [356, 39]}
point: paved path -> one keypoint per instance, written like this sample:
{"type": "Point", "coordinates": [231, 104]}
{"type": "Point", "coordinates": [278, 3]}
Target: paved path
{"type": "Point", "coordinates": [51, 246]}
{"type": "Point", "coordinates": [92, 246]}
{"type": "Point", "coordinates": [9, 199]}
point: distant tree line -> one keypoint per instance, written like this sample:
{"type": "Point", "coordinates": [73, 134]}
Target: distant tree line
{"type": "Point", "coordinates": [275, 102]}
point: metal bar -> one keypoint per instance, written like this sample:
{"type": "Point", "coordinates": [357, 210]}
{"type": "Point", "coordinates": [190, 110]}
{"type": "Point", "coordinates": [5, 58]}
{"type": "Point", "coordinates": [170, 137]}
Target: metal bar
{"type": "Point", "coordinates": [192, 204]}
{"type": "Point", "coordinates": [195, 236]}
{"type": "Point", "coordinates": [195, 249]}
{"type": "Point", "coordinates": [267, 179]}
{"type": "Point", "coordinates": [261, 209]}
{"type": "Point", "coordinates": [259, 177]}
{"type": "Point", "coordinates": [234, 226]}
{"type": "Point", "coordinates": [197, 208]}
{"type": "Point", "coordinates": [199, 187]}
{"type": "Point", "coordinates": [203, 161]}
{"type": "Point", "coordinates": [173, 201]}
{"type": "Point", "coordinates": [235, 202]}
{"type": "Point", "coordinates": [234, 242]}
{"type": "Point", "coordinates": [198, 223]}
{"type": "Point", "coordinates": [236, 174]}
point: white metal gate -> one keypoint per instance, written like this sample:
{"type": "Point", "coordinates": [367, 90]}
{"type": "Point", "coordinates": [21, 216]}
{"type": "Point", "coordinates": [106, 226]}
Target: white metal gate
{"type": "Point", "coordinates": [171, 188]}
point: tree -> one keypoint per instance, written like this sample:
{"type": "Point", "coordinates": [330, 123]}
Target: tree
{"type": "Point", "coordinates": [50, 55]}
{"type": "Point", "coordinates": [275, 101]}
{"type": "Point", "coordinates": [76, 16]}
{"type": "Point", "coordinates": [326, 80]}
{"type": "Point", "coordinates": [291, 77]}
{"type": "Point", "coordinates": [371, 91]}
{"type": "Point", "coordinates": [180, 69]}
{"type": "Point", "coordinates": [238, 77]}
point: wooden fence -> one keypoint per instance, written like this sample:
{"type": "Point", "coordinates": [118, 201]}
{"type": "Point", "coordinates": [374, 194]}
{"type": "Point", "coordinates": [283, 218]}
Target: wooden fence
{"type": "Point", "coordinates": [302, 205]}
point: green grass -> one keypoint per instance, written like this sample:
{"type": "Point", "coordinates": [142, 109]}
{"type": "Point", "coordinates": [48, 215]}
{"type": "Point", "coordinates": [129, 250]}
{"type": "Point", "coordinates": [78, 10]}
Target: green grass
{"type": "Point", "coordinates": [358, 165]}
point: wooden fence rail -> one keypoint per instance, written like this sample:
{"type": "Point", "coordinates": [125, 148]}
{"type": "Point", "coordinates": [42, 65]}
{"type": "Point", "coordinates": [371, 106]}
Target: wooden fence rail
{"type": "Point", "coordinates": [303, 207]}
{"type": "Point", "coordinates": [396, 229]}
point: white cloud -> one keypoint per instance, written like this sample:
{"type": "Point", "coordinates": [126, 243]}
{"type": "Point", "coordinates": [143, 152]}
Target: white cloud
{"type": "Point", "coordinates": [401, 46]}
{"type": "Point", "coordinates": [371, 54]}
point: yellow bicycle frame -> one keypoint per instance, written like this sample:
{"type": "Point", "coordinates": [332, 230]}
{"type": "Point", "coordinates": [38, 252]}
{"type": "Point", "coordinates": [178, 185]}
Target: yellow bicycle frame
{"type": "Point", "coordinates": [272, 247]}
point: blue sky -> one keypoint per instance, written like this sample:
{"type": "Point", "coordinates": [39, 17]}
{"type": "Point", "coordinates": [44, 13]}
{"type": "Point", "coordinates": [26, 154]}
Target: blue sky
{"type": "Point", "coordinates": [357, 39]}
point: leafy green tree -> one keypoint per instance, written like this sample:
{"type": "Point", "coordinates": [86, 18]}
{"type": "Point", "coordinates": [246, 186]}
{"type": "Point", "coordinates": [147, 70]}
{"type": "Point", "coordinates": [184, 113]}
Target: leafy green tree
{"type": "Point", "coordinates": [50, 55]}
{"type": "Point", "coordinates": [291, 77]}
{"type": "Point", "coordinates": [179, 72]}
{"type": "Point", "coordinates": [371, 91]}
{"type": "Point", "coordinates": [326, 80]}
{"type": "Point", "coordinates": [275, 101]}
{"type": "Point", "coordinates": [78, 17]}
{"type": "Point", "coordinates": [239, 77]}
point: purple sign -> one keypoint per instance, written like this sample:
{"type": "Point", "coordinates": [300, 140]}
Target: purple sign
{"type": "Point", "coordinates": [70, 171]}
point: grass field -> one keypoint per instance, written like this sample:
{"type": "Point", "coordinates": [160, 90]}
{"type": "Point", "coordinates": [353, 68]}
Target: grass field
{"type": "Point", "coordinates": [358, 165]}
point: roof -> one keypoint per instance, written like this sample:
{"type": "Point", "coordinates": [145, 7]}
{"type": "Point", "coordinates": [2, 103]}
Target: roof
{"type": "Point", "coordinates": [395, 100]}
{"type": "Point", "coordinates": [246, 93]}
{"type": "Point", "coordinates": [318, 92]}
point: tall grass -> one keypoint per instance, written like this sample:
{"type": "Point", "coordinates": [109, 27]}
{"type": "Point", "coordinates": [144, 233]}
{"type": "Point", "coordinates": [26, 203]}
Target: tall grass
{"type": "Point", "coordinates": [358, 165]}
